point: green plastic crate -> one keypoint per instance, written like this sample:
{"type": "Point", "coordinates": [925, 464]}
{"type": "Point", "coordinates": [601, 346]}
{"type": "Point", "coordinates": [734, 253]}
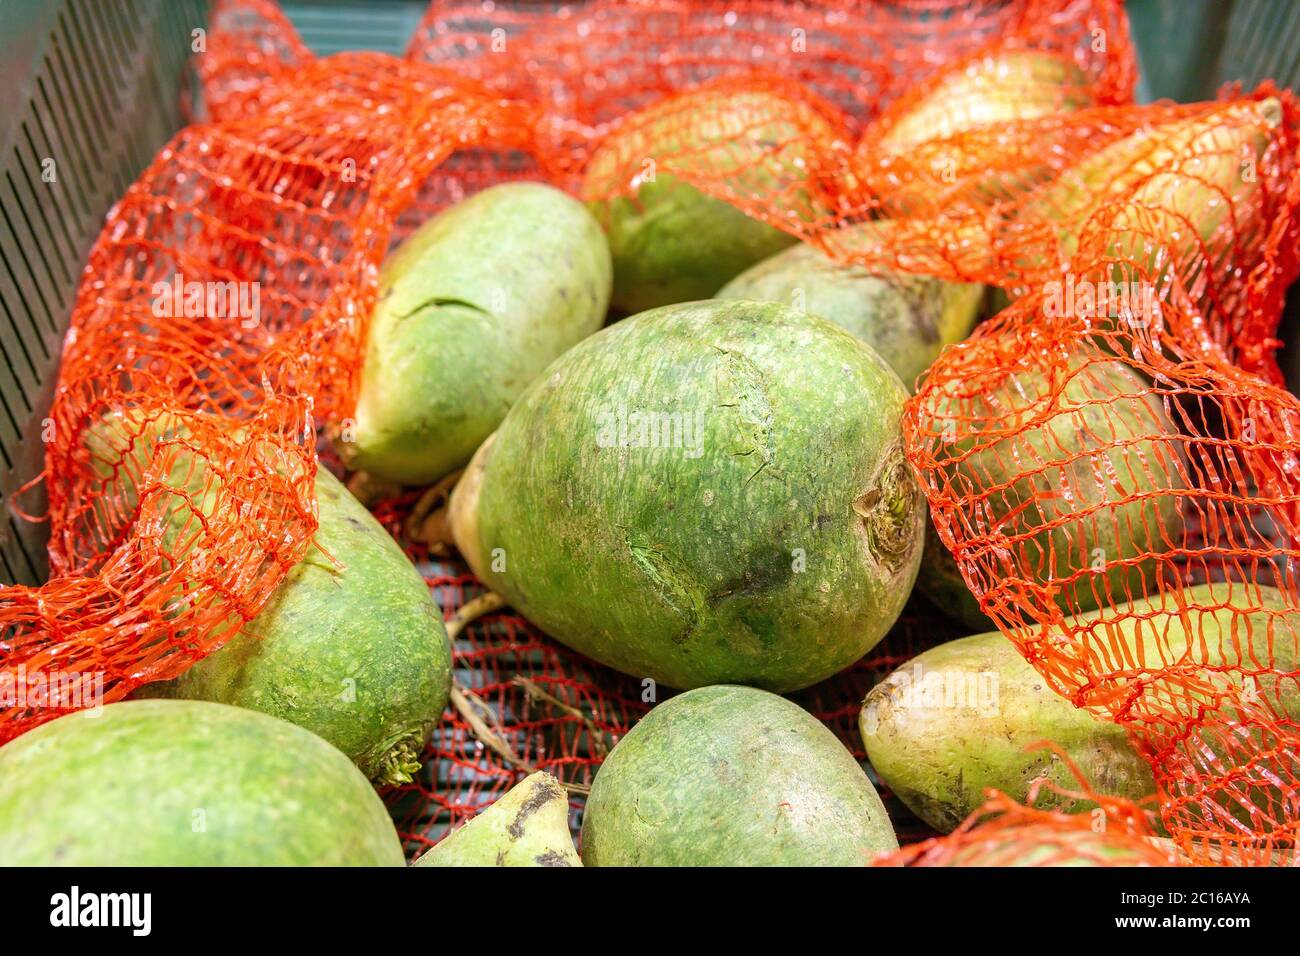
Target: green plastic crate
{"type": "Point", "coordinates": [330, 26]}
{"type": "Point", "coordinates": [1189, 48]}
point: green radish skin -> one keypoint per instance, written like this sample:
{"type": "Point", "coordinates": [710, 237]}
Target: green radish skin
{"type": "Point", "coordinates": [957, 719]}
{"type": "Point", "coordinates": [673, 243]}
{"type": "Point", "coordinates": [1013, 85]}
{"type": "Point", "coordinates": [529, 826]}
{"type": "Point", "coordinates": [1165, 204]}
{"type": "Point", "coordinates": [462, 511]}
{"type": "Point", "coordinates": [120, 448]}
{"type": "Point", "coordinates": [354, 651]}
{"type": "Point", "coordinates": [986, 93]}
{"type": "Point", "coordinates": [1256, 649]}
{"type": "Point", "coordinates": [774, 544]}
{"type": "Point", "coordinates": [907, 319]}
{"type": "Point", "coordinates": [185, 783]}
{"type": "Point", "coordinates": [471, 308]}
{"type": "Point", "coordinates": [1119, 456]}
{"type": "Point", "coordinates": [939, 759]}
{"type": "Point", "coordinates": [1184, 195]}
{"type": "Point", "coordinates": [350, 645]}
{"type": "Point", "coordinates": [732, 776]}
{"type": "Point", "coordinates": [940, 580]}
{"type": "Point", "coordinates": [670, 241]}
{"type": "Point", "coordinates": [1169, 192]}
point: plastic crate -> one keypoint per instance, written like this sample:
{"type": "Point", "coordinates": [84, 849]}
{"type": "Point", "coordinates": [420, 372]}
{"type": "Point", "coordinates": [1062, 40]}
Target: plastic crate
{"type": "Point", "coordinates": [99, 85]}
{"type": "Point", "coordinates": [329, 26]}
{"type": "Point", "coordinates": [89, 91]}
{"type": "Point", "coordinates": [1189, 48]}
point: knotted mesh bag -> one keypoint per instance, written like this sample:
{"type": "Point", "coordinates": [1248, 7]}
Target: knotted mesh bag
{"type": "Point", "coordinates": [1110, 459]}
{"type": "Point", "coordinates": [184, 446]}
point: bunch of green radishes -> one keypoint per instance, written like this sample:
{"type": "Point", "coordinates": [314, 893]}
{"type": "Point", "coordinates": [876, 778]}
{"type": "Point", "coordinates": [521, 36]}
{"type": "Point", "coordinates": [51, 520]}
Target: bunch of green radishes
{"type": "Point", "coordinates": [710, 494]}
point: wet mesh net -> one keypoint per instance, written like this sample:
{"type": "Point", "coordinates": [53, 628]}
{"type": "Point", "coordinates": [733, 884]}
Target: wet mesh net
{"type": "Point", "coordinates": [1110, 460]}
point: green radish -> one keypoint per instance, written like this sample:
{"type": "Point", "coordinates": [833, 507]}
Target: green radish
{"type": "Point", "coordinates": [185, 783]}
{"type": "Point", "coordinates": [472, 306]}
{"type": "Point", "coordinates": [907, 319]}
{"type": "Point", "coordinates": [121, 448]}
{"type": "Point", "coordinates": [1190, 193]}
{"type": "Point", "coordinates": [529, 826]}
{"type": "Point", "coordinates": [984, 93]}
{"type": "Point", "coordinates": [462, 513]}
{"type": "Point", "coordinates": [354, 651]}
{"type": "Point", "coordinates": [940, 581]}
{"type": "Point", "coordinates": [1183, 179]}
{"type": "Point", "coordinates": [672, 242]}
{"type": "Point", "coordinates": [703, 493]}
{"type": "Point", "coordinates": [350, 645]}
{"type": "Point", "coordinates": [957, 719]}
{"type": "Point", "coordinates": [1085, 469]}
{"type": "Point", "coordinates": [1001, 88]}
{"type": "Point", "coordinates": [1180, 208]}
{"type": "Point", "coordinates": [732, 776]}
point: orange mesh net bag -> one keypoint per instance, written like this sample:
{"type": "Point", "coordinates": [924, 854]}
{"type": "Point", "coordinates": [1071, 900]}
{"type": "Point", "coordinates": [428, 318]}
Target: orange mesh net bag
{"type": "Point", "coordinates": [1110, 460]}
{"type": "Point", "coordinates": [1116, 485]}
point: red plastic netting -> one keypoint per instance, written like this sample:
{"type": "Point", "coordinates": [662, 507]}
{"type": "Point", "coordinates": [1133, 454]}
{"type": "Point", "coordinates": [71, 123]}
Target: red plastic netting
{"type": "Point", "coordinates": [1133, 463]}
{"type": "Point", "coordinates": [1110, 460]}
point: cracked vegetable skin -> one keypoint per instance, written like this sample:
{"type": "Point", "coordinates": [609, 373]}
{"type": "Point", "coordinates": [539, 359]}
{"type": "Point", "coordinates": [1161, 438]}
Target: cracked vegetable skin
{"type": "Point", "coordinates": [705, 493]}
{"type": "Point", "coordinates": [471, 308]}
